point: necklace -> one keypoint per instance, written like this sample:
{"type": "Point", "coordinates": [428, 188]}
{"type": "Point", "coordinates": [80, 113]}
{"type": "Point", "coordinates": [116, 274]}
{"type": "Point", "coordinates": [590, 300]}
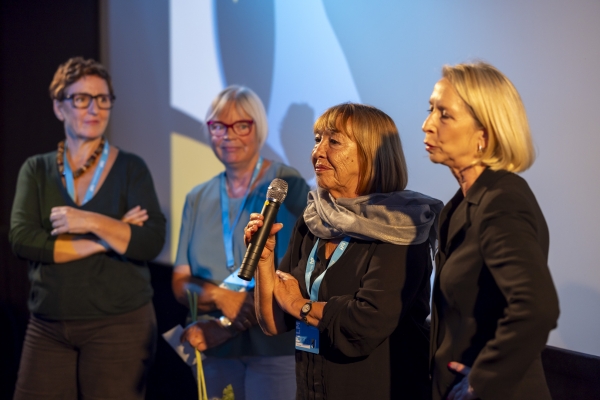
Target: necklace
{"type": "Point", "coordinates": [76, 174]}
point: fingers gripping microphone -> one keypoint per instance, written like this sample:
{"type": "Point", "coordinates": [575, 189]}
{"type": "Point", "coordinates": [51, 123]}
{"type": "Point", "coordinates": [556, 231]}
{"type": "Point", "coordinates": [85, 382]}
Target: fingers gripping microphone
{"type": "Point", "coordinates": [275, 196]}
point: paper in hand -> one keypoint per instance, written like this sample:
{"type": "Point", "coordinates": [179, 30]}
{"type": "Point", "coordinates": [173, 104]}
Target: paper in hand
{"type": "Point", "coordinates": [184, 350]}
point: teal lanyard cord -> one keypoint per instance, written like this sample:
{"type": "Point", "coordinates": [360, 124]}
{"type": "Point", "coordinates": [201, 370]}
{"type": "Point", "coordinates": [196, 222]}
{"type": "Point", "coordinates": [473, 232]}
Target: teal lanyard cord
{"type": "Point", "coordinates": [310, 267]}
{"type": "Point", "coordinates": [227, 227]}
{"type": "Point", "coordinates": [70, 181]}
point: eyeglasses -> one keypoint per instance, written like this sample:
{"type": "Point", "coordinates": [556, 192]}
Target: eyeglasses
{"type": "Point", "coordinates": [241, 128]}
{"type": "Point", "coordinates": [83, 100]}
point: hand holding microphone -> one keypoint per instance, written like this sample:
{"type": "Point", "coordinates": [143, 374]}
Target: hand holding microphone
{"type": "Point", "coordinates": [260, 228]}
{"type": "Point", "coordinates": [256, 222]}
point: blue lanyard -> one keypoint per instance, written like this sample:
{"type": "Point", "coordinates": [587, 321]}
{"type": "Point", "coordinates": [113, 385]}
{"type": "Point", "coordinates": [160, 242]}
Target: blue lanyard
{"type": "Point", "coordinates": [310, 267]}
{"type": "Point", "coordinates": [227, 227]}
{"type": "Point", "coordinates": [92, 187]}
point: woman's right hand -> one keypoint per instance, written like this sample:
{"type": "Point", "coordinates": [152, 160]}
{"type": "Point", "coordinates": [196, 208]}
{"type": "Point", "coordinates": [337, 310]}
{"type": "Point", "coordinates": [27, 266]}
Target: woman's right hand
{"type": "Point", "coordinates": [268, 312]}
{"type": "Point", "coordinates": [71, 220]}
{"type": "Point", "coordinates": [204, 335]}
{"type": "Point", "coordinates": [462, 390]}
{"type": "Point", "coordinates": [256, 222]}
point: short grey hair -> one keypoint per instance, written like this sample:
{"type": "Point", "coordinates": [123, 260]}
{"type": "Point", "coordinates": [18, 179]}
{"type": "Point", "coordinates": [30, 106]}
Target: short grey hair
{"type": "Point", "coordinates": [245, 99]}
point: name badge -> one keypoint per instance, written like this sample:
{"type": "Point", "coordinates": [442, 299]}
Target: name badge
{"type": "Point", "coordinates": [307, 338]}
{"type": "Point", "coordinates": [233, 282]}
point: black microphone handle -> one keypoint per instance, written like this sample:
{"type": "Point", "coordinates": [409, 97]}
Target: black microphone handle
{"type": "Point", "coordinates": [259, 239]}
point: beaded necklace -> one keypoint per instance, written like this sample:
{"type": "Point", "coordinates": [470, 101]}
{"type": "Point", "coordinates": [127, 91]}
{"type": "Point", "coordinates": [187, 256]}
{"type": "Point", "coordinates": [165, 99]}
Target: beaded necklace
{"type": "Point", "coordinates": [90, 161]}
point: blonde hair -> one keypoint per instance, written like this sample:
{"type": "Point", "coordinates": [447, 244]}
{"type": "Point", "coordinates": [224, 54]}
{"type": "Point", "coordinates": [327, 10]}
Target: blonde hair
{"type": "Point", "coordinates": [497, 107]}
{"type": "Point", "coordinates": [382, 167]}
{"type": "Point", "coordinates": [244, 99]}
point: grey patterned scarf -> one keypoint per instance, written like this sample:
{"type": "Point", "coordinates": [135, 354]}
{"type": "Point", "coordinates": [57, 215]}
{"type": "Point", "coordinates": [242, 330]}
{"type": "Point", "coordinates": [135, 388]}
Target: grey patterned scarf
{"type": "Point", "coordinates": [403, 218]}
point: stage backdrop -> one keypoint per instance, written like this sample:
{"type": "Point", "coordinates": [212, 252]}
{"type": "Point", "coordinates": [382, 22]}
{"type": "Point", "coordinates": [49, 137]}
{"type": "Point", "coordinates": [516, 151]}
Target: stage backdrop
{"type": "Point", "coordinates": [170, 58]}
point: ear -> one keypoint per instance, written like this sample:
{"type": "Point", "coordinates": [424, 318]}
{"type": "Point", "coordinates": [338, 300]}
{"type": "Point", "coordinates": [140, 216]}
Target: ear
{"type": "Point", "coordinates": [483, 138]}
{"type": "Point", "coordinates": [56, 105]}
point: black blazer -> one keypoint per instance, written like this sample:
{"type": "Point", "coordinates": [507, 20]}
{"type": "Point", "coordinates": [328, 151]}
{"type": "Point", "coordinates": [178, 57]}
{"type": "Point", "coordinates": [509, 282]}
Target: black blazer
{"type": "Point", "coordinates": [373, 338]}
{"type": "Point", "coordinates": [494, 302]}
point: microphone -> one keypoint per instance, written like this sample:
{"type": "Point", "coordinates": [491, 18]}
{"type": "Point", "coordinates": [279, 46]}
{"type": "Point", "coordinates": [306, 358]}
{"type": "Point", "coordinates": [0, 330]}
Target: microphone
{"type": "Point", "coordinates": [275, 196]}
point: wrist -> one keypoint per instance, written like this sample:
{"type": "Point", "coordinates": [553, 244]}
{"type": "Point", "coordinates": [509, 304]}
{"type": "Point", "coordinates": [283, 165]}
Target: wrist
{"type": "Point", "coordinates": [103, 243]}
{"type": "Point", "coordinates": [227, 325]}
{"type": "Point", "coordinates": [209, 297]}
{"type": "Point", "coordinates": [92, 223]}
{"type": "Point", "coordinates": [213, 295]}
{"type": "Point", "coordinates": [296, 307]}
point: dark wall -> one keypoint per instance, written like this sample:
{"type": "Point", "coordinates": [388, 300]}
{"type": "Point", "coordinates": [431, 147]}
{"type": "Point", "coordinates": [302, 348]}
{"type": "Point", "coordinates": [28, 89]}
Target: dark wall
{"type": "Point", "coordinates": [36, 36]}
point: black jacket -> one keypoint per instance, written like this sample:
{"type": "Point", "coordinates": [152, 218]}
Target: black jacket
{"type": "Point", "coordinates": [373, 337]}
{"type": "Point", "coordinates": [494, 302]}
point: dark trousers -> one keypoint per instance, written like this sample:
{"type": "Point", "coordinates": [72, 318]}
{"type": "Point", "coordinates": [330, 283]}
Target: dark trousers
{"type": "Point", "coordinates": [88, 359]}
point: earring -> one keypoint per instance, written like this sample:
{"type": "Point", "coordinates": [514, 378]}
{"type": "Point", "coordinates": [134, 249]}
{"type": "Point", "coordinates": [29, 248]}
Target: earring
{"type": "Point", "coordinates": [479, 149]}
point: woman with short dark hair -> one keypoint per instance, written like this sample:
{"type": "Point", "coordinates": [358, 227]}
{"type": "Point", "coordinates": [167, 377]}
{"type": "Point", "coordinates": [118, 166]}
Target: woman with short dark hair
{"type": "Point", "coordinates": [87, 219]}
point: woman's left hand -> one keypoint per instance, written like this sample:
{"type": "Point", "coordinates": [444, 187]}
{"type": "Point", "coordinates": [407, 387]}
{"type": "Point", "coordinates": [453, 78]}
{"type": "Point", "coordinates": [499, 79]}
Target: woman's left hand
{"type": "Point", "coordinates": [205, 334]}
{"type": "Point", "coordinates": [136, 216]}
{"type": "Point", "coordinates": [287, 292]}
{"type": "Point", "coordinates": [69, 220]}
{"type": "Point", "coordinates": [462, 390]}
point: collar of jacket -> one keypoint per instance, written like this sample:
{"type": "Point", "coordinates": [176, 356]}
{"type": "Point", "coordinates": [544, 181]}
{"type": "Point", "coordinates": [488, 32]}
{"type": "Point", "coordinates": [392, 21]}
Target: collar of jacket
{"type": "Point", "coordinates": [486, 180]}
{"type": "Point", "coordinates": [461, 216]}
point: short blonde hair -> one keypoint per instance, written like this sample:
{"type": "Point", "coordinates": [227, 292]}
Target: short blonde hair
{"type": "Point", "coordinates": [382, 166]}
{"type": "Point", "coordinates": [497, 107]}
{"type": "Point", "coordinates": [244, 99]}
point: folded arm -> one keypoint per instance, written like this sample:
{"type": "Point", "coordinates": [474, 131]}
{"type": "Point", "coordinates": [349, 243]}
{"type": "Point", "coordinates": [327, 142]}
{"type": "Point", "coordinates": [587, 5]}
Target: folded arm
{"type": "Point", "coordinates": [71, 247]}
{"type": "Point", "coordinates": [68, 221]}
{"type": "Point", "coordinates": [68, 234]}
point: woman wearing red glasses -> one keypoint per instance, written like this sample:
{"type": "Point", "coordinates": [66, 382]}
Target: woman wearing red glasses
{"type": "Point", "coordinates": [211, 248]}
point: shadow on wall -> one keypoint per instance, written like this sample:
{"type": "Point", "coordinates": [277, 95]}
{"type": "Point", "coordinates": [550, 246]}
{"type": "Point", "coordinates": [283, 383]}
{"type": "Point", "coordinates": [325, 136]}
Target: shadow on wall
{"type": "Point", "coordinates": [246, 39]}
{"type": "Point", "coordinates": [575, 313]}
{"type": "Point", "coordinates": [297, 138]}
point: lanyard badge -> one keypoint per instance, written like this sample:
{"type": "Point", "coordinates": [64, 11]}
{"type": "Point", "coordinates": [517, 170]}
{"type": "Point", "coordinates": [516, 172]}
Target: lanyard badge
{"type": "Point", "coordinates": [70, 181]}
{"type": "Point", "coordinates": [307, 336]}
{"type": "Point", "coordinates": [232, 282]}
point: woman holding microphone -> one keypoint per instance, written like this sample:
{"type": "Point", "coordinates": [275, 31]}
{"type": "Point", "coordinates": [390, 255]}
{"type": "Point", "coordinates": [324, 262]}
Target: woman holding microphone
{"type": "Point", "coordinates": [354, 283]}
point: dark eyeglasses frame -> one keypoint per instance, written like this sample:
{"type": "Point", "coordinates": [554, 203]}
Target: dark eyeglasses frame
{"type": "Point", "coordinates": [92, 98]}
{"type": "Point", "coordinates": [230, 126]}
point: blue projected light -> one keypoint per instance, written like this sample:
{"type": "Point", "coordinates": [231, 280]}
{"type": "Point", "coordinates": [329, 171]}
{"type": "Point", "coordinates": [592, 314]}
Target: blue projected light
{"type": "Point", "coordinates": [287, 52]}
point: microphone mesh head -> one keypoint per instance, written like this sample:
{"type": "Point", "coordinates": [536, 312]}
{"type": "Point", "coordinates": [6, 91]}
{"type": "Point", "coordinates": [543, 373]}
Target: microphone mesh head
{"type": "Point", "coordinates": [277, 190]}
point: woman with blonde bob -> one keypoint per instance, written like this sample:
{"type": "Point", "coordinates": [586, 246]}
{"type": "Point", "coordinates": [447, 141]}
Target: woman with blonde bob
{"type": "Point", "coordinates": [494, 302]}
{"type": "Point", "coordinates": [354, 283]}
